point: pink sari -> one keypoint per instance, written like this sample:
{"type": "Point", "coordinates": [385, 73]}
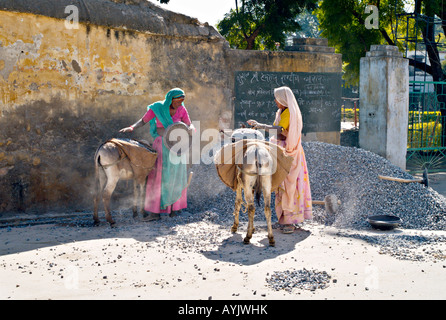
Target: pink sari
{"type": "Point", "coordinates": [293, 199]}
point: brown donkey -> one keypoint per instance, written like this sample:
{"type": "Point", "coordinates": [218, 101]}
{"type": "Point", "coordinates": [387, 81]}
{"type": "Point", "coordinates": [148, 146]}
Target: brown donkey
{"type": "Point", "coordinates": [123, 159]}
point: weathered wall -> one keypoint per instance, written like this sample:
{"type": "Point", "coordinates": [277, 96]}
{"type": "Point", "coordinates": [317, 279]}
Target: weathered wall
{"type": "Point", "coordinates": [65, 91]}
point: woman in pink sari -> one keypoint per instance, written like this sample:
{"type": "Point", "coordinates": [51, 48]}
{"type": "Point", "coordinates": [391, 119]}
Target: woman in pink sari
{"type": "Point", "coordinates": [167, 184]}
{"type": "Point", "coordinates": [293, 200]}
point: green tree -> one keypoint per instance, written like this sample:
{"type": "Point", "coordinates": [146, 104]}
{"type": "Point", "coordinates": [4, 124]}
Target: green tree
{"type": "Point", "coordinates": [343, 23]}
{"type": "Point", "coordinates": [309, 25]}
{"type": "Point", "coordinates": [260, 24]}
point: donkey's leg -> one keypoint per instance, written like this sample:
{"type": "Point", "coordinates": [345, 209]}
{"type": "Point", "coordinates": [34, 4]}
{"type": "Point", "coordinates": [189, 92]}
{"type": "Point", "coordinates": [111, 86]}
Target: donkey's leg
{"type": "Point", "coordinates": [266, 189]}
{"type": "Point", "coordinates": [106, 195]}
{"type": "Point", "coordinates": [142, 193]}
{"type": "Point", "coordinates": [138, 197]}
{"type": "Point", "coordinates": [249, 197]}
{"type": "Point", "coordinates": [272, 242]}
{"type": "Point", "coordinates": [98, 192]}
{"type": "Point", "coordinates": [135, 198]}
{"type": "Point", "coordinates": [139, 189]}
{"type": "Point", "coordinates": [100, 182]}
{"type": "Point", "coordinates": [237, 206]}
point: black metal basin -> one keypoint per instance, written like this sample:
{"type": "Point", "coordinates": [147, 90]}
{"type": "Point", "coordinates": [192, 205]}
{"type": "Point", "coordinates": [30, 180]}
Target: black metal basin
{"type": "Point", "coordinates": [384, 222]}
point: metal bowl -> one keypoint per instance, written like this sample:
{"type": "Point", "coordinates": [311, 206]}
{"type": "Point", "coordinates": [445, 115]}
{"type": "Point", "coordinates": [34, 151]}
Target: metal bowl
{"type": "Point", "coordinates": [384, 222]}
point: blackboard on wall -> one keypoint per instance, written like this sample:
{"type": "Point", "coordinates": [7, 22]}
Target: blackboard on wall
{"type": "Point", "coordinates": [318, 96]}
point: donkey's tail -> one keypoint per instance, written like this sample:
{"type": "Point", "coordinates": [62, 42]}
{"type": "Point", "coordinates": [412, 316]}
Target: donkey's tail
{"type": "Point", "coordinates": [264, 166]}
{"type": "Point", "coordinates": [258, 185]}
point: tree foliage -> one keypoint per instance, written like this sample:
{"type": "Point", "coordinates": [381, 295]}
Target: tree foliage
{"type": "Point", "coordinates": [260, 24]}
{"type": "Point", "coordinates": [309, 25]}
{"type": "Point", "coordinates": [343, 23]}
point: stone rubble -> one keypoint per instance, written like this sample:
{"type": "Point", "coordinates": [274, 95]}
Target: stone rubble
{"type": "Point", "coordinates": [298, 279]}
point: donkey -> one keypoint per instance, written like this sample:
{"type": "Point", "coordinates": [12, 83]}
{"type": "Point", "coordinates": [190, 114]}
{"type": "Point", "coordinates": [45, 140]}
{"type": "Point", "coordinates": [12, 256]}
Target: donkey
{"type": "Point", "coordinates": [254, 175]}
{"type": "Point", "coordinates": [112, 163]}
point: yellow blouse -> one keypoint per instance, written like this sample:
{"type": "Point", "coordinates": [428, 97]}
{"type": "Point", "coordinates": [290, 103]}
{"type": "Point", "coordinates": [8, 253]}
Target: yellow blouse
{"type": "Point", "coordinates": [284, 119]}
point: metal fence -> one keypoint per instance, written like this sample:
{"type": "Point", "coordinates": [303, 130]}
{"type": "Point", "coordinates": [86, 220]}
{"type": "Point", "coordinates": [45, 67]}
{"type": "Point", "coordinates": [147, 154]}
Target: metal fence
{"type": "Point", "coordinates": [426, 142]}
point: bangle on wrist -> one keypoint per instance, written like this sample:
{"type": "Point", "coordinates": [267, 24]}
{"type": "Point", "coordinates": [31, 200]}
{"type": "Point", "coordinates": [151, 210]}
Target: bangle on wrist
{"type": "Point", "coordinates": [131, 127]}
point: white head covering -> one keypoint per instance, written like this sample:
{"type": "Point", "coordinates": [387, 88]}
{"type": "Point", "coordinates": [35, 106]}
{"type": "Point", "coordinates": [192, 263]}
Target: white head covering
{"type": "Point", "coordinates": [285, 97]}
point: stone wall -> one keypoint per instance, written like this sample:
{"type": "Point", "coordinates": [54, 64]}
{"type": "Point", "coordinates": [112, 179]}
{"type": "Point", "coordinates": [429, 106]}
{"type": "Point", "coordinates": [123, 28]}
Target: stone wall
{"type": "Point", "coordinates": [65, 91]}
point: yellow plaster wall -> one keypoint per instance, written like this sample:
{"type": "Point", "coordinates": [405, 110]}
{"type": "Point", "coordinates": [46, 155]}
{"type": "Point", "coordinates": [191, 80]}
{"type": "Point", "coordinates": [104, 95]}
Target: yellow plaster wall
{"type": "Point", "coordinates": [65, 91]}
{"type": "Point", "coordinates": [46, 59]}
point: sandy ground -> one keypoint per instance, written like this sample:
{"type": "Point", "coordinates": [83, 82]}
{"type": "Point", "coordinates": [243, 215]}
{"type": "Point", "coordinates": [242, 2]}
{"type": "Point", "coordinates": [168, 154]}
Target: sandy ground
{"type": "Point", "coordinates": [183, 258]}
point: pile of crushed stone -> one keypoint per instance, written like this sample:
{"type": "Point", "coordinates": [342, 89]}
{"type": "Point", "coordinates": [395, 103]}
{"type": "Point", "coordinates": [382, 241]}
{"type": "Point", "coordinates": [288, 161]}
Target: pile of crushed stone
{"type": "Point", "coordinates": [304, 279]}
{"type": "Point", "coordinates": [349, 173]}
{"type": "Point", "coordinates": [352, 175]}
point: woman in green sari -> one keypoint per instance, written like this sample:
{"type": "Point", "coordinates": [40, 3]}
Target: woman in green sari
{"type": "Point", "coordinates": [166, 190]}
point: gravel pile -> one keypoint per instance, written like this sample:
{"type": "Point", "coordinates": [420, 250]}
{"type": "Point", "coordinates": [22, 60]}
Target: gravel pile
{"type": "Point", "coordinates": [352, 175]}
{"type": "Point", "coordinates": [298, 279]}
{"type": "Point", "coordinates": [349, 173]}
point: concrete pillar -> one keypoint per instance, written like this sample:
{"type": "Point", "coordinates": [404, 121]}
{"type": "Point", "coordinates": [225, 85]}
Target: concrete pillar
{"type": "Point", "coordinates": [384, 103]}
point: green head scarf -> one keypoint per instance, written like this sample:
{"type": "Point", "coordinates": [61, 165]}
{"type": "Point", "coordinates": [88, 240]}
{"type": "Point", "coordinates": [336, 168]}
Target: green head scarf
{"type": "Point", "coordinates": [162, 110]}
